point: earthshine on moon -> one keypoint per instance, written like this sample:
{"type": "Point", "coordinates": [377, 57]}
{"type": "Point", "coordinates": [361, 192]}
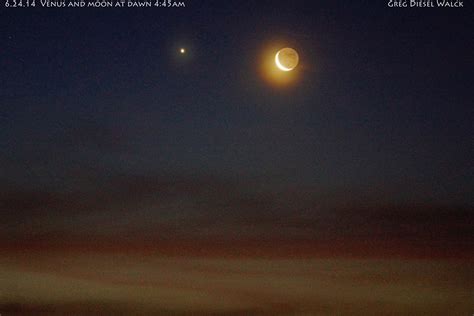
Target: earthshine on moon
{"type": "Point", "coordinates": [287, 59]}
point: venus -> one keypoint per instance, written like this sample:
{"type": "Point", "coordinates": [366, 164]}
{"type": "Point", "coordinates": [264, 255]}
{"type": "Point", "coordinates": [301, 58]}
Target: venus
{"type": "Point", "coordinates": [287, 59]}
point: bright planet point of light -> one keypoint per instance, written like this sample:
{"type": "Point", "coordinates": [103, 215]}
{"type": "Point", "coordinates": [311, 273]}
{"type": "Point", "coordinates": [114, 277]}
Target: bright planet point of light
{"type": "Point", "coordinates": [287, 59]}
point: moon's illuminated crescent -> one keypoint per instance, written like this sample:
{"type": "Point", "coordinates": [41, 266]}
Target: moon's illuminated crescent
{"type": "Point", "coordinates": [286, 59]}
{"type": "Point", "coordinates": [279, 65]}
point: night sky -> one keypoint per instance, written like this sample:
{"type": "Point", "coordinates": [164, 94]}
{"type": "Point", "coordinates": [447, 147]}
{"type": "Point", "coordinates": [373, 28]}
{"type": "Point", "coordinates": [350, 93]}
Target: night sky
{"type": "Point", "coordinates": [115, 143]}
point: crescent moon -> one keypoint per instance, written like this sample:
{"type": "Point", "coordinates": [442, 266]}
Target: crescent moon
{"type": "Point", "coordinates": [278, 63]}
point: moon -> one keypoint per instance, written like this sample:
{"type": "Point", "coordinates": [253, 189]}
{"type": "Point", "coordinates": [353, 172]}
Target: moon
{"type": "Point", "coordinates": [287, 59]}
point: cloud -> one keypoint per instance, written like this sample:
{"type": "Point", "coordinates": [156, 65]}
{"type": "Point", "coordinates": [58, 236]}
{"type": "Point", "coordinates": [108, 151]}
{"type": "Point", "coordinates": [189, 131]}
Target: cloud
{"type": "Point", "coordinates": [169, 208]}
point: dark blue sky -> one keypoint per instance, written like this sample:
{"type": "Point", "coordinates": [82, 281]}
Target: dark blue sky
{"type": "Point", "coordinates": [381, 113]}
